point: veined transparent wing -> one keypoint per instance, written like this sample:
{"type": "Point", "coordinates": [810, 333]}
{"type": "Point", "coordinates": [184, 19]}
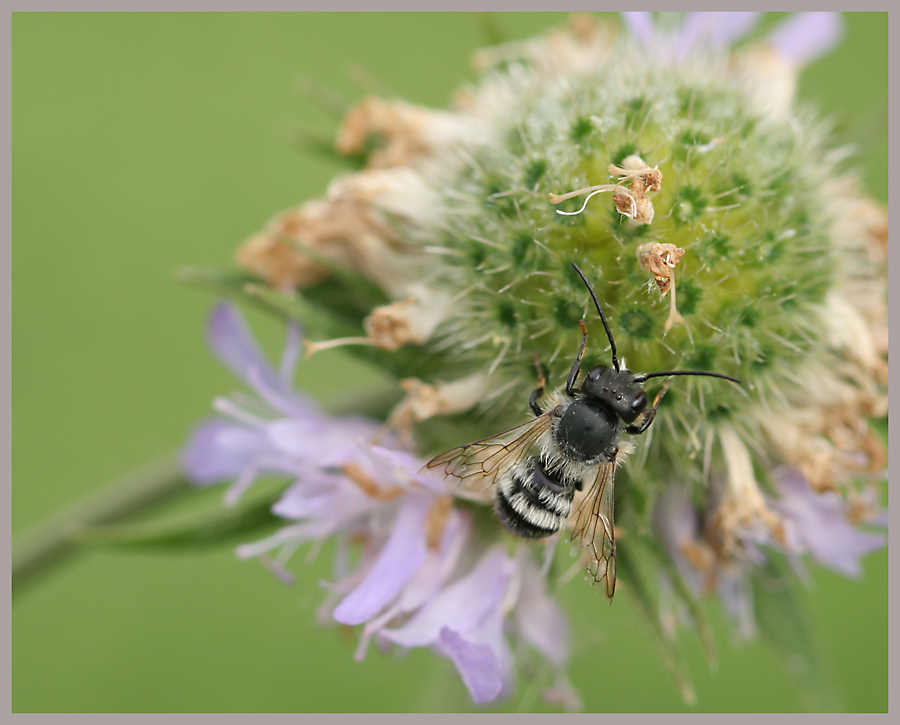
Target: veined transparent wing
{"type": "Point", "coordinates": [472, 470]}
{"type": "Point", "coordinates": [593, 525]}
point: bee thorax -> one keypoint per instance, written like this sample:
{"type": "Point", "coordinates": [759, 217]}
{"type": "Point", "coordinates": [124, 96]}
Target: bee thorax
{"type": "Point", "coordinates": [587, 431]}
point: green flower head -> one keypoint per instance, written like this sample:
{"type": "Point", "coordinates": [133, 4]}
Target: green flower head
{"type": "Point", "coordinates": [716, 224]}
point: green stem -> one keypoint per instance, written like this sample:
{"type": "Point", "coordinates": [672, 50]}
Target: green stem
{"type": "Point", "coordinates": [53, 541]}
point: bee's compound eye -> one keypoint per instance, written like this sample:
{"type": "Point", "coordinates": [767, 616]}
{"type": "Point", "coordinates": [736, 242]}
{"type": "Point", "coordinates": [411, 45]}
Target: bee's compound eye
{"type": "Point", "coordinates": [639, 402]}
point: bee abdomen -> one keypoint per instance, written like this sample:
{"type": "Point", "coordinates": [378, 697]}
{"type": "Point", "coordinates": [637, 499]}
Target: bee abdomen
{"type": "Point", "coordinates": [533, 503]}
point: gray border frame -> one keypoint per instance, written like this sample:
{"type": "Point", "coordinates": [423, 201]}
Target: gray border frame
{"type": "Point", "coordinates": [342, 5]}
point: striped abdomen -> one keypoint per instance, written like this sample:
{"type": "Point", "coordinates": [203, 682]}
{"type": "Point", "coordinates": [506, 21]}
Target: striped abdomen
{"type": "Point", "coordinates": [532, 502]}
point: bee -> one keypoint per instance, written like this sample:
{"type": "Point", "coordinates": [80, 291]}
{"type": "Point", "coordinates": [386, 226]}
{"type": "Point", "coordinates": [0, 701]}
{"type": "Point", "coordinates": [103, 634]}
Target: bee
{"type": "Point", "coordinates": [534, 470]}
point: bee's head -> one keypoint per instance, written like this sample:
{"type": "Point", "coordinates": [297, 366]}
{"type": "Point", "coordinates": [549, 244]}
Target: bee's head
{"type": "Point", "coordinates": [617, 390]}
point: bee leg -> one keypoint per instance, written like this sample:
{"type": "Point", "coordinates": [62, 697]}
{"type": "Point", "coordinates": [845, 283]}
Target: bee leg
{"type": "Point", "coordinates": [576, 366]}
{"type": "Point", "coordinates": [638, 429]}
{"type": "Point", "coordinates": [542, 381]}
{"type": "Point", "coordinates": [532, 401]}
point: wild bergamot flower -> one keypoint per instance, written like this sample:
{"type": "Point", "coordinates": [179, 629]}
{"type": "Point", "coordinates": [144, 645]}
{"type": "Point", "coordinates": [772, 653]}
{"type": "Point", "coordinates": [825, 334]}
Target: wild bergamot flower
{"type": "Point", "coordinates": [423, 578]}
{"type": "Point", "coordinates": [722, 233]}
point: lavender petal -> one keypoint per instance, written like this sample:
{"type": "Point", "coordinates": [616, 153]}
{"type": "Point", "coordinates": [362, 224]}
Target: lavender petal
{"type": "Point", "coordinates": [290, 535]}
{"type": "Point", "coordinates": [737, 598]}
{"type": "Point", "coordinates": [462, 606]}
{"type": "Point", "coordinates": [804, 37]}
{"type": "Point", "coordinates": [476, 663]}
{"type": "Point", "coordinates": [719, 29]}
{"type": "Point", "coordinates": [640, 26]}
{"type": "Point", "coordinates": [410, 466]}
{"type": "Point", "coordinates": [219, 449]}
{"type": "Point", "coordinates": [323, 497]}
{"type": "Point", "coordinates": [541, 621]}
{"type": "Point", "coordinates": [232, 342]}
{"type": "Point", "coordinates": [403, 555]}
{"type": "Point", "coordinates": [676, 521]}
{"type": "Point", "coordinates": [291, 355]}
{"type": "Point", "coordinates": [819, 523]}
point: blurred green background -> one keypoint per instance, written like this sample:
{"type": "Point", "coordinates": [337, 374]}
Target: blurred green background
{"type": "Point", "coordinates": [143, 142]}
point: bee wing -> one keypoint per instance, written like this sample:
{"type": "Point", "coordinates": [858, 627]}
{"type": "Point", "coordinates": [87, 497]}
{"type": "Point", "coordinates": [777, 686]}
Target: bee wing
{"type": "Point", "coordinates": [592, 524]}
{"type": "Point", "coordinates": [474, 468]}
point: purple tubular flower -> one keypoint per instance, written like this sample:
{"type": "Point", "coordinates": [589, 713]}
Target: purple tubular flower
{"type": "Point", "coordinates": [540, 619]}
{"type": "Point", "coordinates": [818, 523]}
{"type": "Point", "coordinates": [800, 39]}
{"type": "Point", "coordinates": [221, 449]}
{"type": "Point", "coordinates": [421, 579]}
{"type": "Point", "coordinates": [465, 622]}
{"type": "Point", "coordinates": [440, 563]}
{"type": "Point", "coordinates": [676, 522]}
{"type": "Point", "coordinates": [403, 555]}
{"type": "Point", "coordinates": [805, 37]}
{"type": "Point", "coordinates": [476, 663]}
{"type": "Point", "coordinates": [282, 432]}
{"type": "Point", "coordinates": [640, 26]}
{"type": "Point", "coordinates": [719, 29]}
{"type": "Point", "coordinates": [815, 523]}
{"type": "Point", "coordinates": [678, 527]}
{"type": "Point", "coordinates": [715, 29]}
{"type": "Point", "coordinates": [235, 347]}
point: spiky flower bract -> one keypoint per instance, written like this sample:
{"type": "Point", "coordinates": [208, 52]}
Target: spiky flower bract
{"type": "Point", "coordinates": [721, 231]}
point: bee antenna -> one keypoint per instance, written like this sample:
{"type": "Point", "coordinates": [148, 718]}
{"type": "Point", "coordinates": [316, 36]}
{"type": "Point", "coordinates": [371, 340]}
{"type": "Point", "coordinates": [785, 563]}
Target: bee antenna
{"type": "Point", "coordinates": [612, 343]}
{"type": "Point", "coordinates": [647, 376]}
